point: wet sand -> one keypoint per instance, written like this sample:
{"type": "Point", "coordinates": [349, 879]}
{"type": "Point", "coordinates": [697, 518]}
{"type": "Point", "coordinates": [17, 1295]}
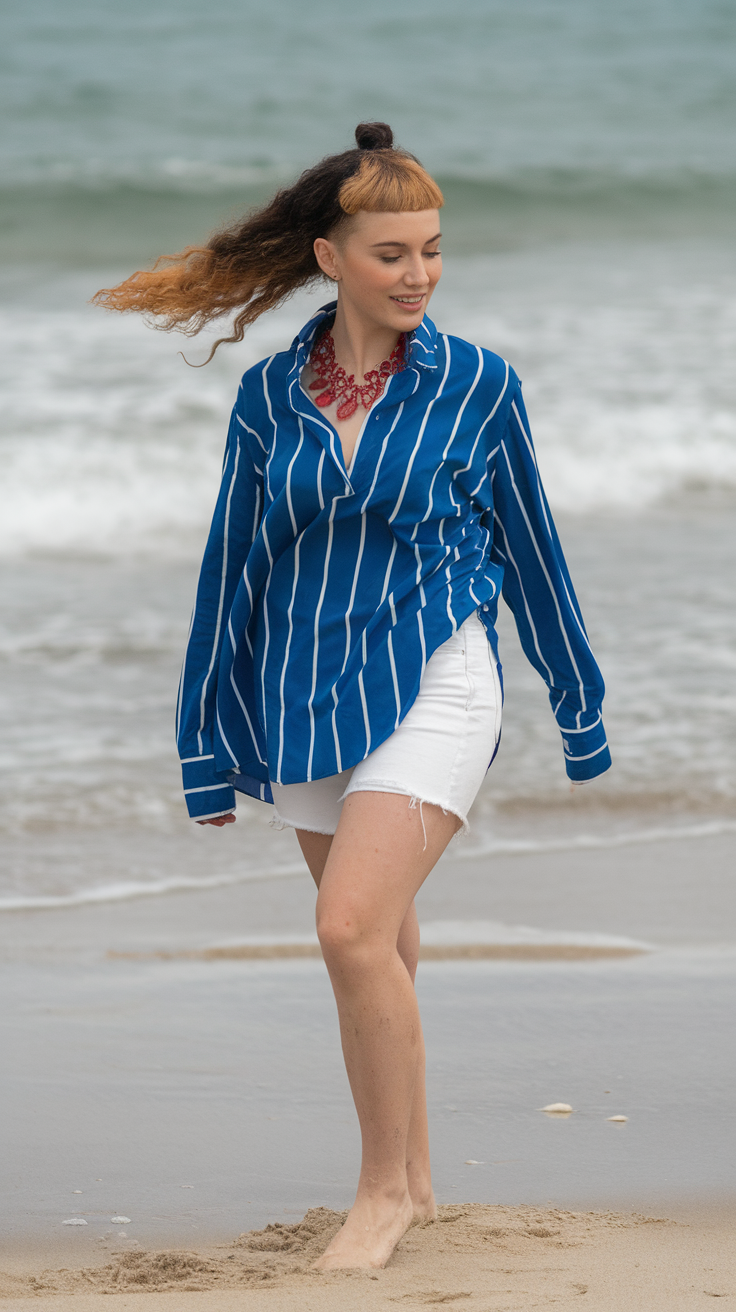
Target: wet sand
{"type": "Point", "coordinates": [155, 1071]}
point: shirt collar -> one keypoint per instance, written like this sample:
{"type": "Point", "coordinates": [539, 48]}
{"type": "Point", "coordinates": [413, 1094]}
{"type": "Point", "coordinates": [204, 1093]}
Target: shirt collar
{"type": "Point", "coordinates": [422, 341]}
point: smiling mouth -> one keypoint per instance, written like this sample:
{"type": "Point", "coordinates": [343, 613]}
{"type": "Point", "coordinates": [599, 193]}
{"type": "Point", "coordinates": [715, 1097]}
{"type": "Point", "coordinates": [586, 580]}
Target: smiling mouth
{"type": "Point", "coordinates": [409, 300]}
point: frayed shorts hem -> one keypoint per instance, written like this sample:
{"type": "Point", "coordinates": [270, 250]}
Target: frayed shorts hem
{"type": "Point", "coordinates": [385, 786]}
{"type": "Point", "coordinates": [278, 822]}
{"type": "Point", "coordinates": [376, 786]}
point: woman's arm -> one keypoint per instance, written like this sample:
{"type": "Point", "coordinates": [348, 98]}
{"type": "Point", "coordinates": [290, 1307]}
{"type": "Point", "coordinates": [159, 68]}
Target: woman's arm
{"type": "Point", "coordinates": [538, 589]}
{"type": "Point", "coordinates": [234, 527]}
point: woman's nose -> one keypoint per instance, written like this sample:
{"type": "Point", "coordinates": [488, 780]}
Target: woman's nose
{"type": "Point", "coordinates": [416, 274]}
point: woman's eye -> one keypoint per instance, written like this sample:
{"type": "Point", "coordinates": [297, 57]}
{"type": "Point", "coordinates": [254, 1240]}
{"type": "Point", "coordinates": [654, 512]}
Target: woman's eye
{"type": "Point", "coordinates": [431, 255]}
{"type": "Point", "coordinates": [390, 259]}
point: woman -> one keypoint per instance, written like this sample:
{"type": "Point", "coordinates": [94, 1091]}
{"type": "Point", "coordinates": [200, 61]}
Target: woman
{"type": "Point", "coordinates": [379, 492]}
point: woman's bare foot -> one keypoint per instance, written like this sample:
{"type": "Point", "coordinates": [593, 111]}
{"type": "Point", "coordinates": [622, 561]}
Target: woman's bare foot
{"type": "Point", "coordinates": [419, 1182]}
{"type": "Point", "coordinates": [424, 1204]}
{"type": "Point", "coordinates": [369, 1236]}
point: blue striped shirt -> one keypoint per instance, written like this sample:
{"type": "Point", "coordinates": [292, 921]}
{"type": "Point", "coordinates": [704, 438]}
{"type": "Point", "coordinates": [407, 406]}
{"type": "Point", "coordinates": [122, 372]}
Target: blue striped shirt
{"type": "Point", "coordinates": [325, 589]}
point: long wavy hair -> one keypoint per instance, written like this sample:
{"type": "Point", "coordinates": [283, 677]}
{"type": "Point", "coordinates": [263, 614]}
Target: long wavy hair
{"type": "Point", "coordinates": [264, 258]}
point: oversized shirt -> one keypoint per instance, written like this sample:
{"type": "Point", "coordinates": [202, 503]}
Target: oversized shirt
{"type": "Point", "coordinates": [326, 588]}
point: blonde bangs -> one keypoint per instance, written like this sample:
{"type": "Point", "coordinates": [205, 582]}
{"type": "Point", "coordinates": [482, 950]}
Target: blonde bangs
{"type": "Point", "coordinates": [390, 183]}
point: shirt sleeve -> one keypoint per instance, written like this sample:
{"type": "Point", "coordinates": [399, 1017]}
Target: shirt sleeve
{"type": "Point", "coordinates": [538, 589]}
{"type": "Point", "coordinates": [234, 527]}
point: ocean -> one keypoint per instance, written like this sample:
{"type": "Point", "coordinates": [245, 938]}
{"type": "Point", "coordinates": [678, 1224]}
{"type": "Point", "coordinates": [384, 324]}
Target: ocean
{"type": "Point", "coordinates": [588, 161]}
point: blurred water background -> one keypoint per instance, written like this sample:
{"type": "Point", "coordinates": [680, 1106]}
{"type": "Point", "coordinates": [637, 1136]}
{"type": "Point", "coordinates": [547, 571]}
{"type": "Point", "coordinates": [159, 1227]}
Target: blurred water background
{"type": "Point", "coordinates": [588, 157]}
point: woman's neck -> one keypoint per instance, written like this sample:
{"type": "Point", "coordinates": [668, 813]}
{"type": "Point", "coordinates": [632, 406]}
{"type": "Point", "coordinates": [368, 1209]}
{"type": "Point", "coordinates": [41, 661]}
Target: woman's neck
{"type": "Point", "coordinates": [360, 345]}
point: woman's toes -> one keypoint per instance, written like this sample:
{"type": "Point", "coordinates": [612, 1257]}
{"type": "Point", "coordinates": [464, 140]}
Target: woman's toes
{"type": "Point", "coordinates": [369, 1245]}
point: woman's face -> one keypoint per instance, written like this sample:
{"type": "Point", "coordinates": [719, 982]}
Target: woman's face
{"type": "Point", "coordinates": [386, 265]}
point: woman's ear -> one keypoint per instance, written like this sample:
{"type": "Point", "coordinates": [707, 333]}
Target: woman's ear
{"type": "Point", "coordinates": [326, 257]}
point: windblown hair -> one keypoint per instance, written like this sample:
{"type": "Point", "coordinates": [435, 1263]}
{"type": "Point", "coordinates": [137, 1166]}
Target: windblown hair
{"type": "Point", "coordinates": [260, 261]}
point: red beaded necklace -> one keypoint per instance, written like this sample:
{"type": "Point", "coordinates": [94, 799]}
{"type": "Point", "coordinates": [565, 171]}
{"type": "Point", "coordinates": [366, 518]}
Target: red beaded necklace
{"type": "Point", "coordinates": [335, 385]}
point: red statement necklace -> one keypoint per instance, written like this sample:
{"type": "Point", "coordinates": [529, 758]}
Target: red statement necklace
{"type": "Point", "coordinates": [335, 385]}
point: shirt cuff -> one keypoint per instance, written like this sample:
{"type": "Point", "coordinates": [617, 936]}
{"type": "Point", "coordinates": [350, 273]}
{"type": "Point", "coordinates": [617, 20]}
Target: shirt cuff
{"type": "Point", "coordinates": [206, 796]}
{"type": "Point", "coordinates": [586, 752]}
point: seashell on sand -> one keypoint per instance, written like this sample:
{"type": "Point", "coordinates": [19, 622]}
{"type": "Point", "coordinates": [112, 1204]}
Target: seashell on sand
{"type": "Point", "coordinates": [557, 1108]}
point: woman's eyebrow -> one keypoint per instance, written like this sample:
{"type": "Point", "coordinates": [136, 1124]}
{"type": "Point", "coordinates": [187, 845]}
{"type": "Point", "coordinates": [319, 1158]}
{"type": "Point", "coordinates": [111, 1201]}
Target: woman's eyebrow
{"type": "Point", "coordinates": [403, 243]}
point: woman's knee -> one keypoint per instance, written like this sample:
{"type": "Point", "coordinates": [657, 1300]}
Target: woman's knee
{"type": "Point", "coordinates": [339, 932]}
{"type": "Point", "coordinates": [347, 937]}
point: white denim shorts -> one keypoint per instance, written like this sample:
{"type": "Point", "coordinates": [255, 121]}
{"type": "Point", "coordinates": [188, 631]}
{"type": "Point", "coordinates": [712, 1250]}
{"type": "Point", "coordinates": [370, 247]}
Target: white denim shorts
{"type": "Point", "coordinates": [440, 752]}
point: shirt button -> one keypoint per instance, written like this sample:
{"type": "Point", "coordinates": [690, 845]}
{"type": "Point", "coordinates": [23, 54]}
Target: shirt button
{"type": "Point", "coordinates": [485, 608]}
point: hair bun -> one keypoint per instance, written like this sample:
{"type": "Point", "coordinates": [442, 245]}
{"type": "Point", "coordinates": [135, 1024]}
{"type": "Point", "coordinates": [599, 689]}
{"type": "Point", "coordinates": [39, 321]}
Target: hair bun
{"type": "Point", "coordinates": [374, 136]}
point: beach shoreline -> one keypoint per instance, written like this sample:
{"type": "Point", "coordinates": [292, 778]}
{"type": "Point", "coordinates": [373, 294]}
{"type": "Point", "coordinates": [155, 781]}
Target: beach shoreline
{"type": "Point", "coordinates": [160, 1069]}
{"type": "Point", "coordinates": [479, 1256]}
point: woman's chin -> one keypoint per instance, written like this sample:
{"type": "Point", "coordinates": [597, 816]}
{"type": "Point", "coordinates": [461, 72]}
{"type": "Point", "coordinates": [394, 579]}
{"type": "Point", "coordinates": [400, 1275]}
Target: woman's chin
{"type": "Point", "coordinates": [405, 321]}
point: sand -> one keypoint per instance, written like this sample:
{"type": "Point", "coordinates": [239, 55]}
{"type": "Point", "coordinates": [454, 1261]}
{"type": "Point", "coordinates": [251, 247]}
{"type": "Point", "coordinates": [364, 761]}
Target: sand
{"type": "Point", "coordinates": [154, 1070]}
{"type": "Point", "coordinates": [474, 1256]}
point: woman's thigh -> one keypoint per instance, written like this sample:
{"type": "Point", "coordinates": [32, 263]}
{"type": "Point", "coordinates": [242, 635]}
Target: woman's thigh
{"type": "Point", "coordinates": [381, 854]}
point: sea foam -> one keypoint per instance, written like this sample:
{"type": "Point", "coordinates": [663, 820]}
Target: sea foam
{"type": "Point", "coordinates": [113, 445]}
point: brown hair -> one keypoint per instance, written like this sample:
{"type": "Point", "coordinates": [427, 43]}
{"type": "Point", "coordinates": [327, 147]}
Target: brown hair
{"type": "Point", "coordinates": [261, 260]}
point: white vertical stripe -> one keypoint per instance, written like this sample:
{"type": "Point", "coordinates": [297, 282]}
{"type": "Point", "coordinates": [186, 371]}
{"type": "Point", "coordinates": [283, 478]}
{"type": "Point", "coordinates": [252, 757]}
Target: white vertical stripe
{"type": "Point", "coordinates": [545, 571]}
{"type": "Point", "coordinates": [249, 590]}
{"type": "Point", "coordinates": [264, 534]}
{"type": "Point", "coordinates": [353, 590]}
{"type": "Point", "coordinates": [379, 462]}
{"type": "Point", "coordinates": [290, 617]}
{"type": "Point", "coordinates": [236, 690]}
{"type": "Point", "coordinates": [289, 501]}
{"type": "Point", "coordinates": [387, 576]}
{"type": "Point", "coordinates": [267, 398]}
{"type": "Point", "coordinates": [419, 584]}
{"type": "Point", "coordinates": [540, 494]}
{"type": "Point", "coordinates": [489, 457]}
{"type": "Point", "coordinates": [332, 435]}
{"type": "Point", "coordinates": [481, 430]}
{"type": "Point", "coordinates": [366, 718]}
{"type": "Point", "coordinates": [335, 735]}
{"type": "Point", "coordinates": [451, 439]}
{"type": "Point", "coordinates": [448, 576]}
{"type": "Point", "coordinates": [228, 748]}
{"type": "Point", "coordinates": [256, 516]}
{"type": "Point", "coordinates": [266, 394]}
{"type": "Point", "coordinates": [422, 642]}
{"type": "Point", "coordinates": [393, 676]}
{"type": "Point", "coordinates": [422, 427]}
{"type": "Point", "coordinates": [223, 581]}
{"type": "Point", "coordinates": [180, 692]}
{"type": "Point", "coordinates": [252, 432]}
{"type": "Point", "coordinates": [527, 608]}
{"type": "Point", "coordinates": [315, 651]}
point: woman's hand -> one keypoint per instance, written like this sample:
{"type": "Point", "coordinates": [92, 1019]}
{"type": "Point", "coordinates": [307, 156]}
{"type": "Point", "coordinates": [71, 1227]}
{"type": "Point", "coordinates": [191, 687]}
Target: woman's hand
{"type": "Point", "coordinates": [219, 820]}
